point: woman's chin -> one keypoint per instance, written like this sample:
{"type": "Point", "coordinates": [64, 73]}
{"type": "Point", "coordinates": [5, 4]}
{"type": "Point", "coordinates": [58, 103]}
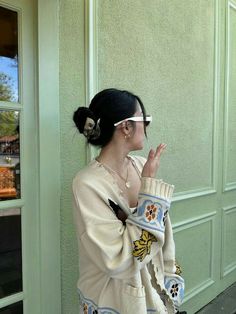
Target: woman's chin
{"type": "Point", "coordinates": [138, 147]}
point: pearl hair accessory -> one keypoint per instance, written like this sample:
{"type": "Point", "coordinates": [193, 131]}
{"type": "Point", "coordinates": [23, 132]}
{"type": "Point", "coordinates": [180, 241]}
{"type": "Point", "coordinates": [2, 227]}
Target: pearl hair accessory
{"type": "Point", "coordinates": [91, 129]}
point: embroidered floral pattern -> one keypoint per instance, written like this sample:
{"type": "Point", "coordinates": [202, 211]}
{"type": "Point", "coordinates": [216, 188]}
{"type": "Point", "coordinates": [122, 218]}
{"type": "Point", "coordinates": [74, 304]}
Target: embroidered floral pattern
{"type": "Point", "coordinates": [174, 285]}
{"type": "Point", "coordinates": [174, 290]}
{"type": "Point", "coordinates": [85, 308]}
{"type": "Point", "coordinates": [151, 212]}
{"type": "Point", "coordinates": [142, 247]}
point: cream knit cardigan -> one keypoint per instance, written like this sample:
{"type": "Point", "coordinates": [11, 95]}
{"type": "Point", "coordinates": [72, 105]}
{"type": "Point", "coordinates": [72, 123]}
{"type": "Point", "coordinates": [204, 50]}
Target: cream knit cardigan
{"type": "Point", "coordinates": [125, 268]}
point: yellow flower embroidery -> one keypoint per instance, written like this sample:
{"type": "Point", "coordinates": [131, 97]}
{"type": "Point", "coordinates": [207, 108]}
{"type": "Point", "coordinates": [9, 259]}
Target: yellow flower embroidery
{"type": "Point", "coordinates": [85, 308]}
{"type": "Point", "coordinates": [178, 269]}
{"type": "Point", "coordinates": [142, 247]}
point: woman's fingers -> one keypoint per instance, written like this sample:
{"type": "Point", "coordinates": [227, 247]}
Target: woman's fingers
{"type": "Point", "coordinates": [154, 154]}
{"type": "Point", "coordinates": [151, 154]}
{"type": "Point", "coordinates": [153, 161]}
{"type": "Point", "coordinates": [160, 150]}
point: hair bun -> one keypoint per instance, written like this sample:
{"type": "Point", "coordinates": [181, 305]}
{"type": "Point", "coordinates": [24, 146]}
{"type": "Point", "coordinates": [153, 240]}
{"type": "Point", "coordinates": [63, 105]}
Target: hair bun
{"type": "Point", "coordinates": [86, 123]}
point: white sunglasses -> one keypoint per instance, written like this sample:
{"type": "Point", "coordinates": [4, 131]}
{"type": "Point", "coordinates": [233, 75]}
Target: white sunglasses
{"type": "Point", "coordinates": [146, 120]}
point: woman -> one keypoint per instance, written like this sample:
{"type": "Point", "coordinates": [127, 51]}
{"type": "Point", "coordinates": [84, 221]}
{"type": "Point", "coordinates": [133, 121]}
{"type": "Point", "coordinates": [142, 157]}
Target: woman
{"type": "Point", "coordinates": [126, 247]}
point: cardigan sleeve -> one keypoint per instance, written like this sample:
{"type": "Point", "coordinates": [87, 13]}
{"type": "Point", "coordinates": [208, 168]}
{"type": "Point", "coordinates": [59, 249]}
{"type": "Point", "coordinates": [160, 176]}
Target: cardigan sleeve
{"type": "Point", "coordinates": [122, 250]}
{"type": "Point", "coordinates": [174, 283]}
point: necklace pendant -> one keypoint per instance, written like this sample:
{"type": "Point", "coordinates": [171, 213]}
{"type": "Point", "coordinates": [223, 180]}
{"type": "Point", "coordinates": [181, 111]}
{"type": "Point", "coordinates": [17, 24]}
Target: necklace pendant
{"type": "Point", "coordinates": [127, 184]}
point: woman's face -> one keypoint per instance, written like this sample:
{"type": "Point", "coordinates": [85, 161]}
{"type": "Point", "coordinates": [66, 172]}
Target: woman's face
{"type": "Point", "coordinates": [138, 135]}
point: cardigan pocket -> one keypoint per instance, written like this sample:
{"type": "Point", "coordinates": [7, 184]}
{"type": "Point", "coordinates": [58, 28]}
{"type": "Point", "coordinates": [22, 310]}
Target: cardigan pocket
{"type": "Point", "coordinates": [133, 300]}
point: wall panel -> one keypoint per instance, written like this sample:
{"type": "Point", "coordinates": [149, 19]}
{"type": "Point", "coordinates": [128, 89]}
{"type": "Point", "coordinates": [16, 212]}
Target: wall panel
{"type": "Point", "coordinates": [228, 240]}
{"type": "Point", "coordinates": [197, 254]}
{"type": "Point", "coordinates": [230, 101]}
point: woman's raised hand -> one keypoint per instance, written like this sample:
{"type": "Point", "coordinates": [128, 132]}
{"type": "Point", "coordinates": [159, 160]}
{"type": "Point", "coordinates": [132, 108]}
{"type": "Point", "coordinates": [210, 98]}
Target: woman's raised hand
{"type": "Point", "coordinates": [153, 161]}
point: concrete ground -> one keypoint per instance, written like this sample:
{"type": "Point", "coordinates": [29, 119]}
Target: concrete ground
{"type": "Point", "coordinates": [224, 303]}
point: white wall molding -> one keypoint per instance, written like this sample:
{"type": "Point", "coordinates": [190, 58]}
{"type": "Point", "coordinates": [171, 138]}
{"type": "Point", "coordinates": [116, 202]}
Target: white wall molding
{"type": "Point", "coordinates": [179, 196]}
{"type": "Point", "coordinates": [91, 55]}
{"type": "Point", "coordinates": [232, 4]}
{"type": "Point", "coordinates": [91, 48]}
{"type": "Point", "coordinates": [226, 269]}
{"type": "Point", "coordinates": [189, 224]}
{"type": "Point", "coordinates": [49, 156]}
{"type": "Point", "coordinates": [14, 298]}
{"type": "Point", "coordinates": [227, 186]}
{"type": "Point", "coordinates": [198, 289]}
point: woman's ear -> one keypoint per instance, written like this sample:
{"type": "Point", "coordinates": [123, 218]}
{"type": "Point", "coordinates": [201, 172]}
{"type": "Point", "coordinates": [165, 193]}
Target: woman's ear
{"type": "Point", "coordinates": [128, 129]}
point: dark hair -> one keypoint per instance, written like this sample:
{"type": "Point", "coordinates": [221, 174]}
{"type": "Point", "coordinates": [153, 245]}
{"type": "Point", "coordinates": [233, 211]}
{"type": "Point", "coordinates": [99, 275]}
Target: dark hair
{"type": "Point", "coordinates": [106, 108]}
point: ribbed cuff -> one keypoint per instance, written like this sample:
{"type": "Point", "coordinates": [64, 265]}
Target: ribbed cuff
{"type": "Point", "coordinates": [156, 187]}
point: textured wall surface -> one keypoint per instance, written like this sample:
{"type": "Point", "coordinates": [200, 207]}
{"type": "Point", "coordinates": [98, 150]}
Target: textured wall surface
{"type": "Point", "coordinates": [72, 145]}
{"type": "Point", "coordinates": [164, 51]}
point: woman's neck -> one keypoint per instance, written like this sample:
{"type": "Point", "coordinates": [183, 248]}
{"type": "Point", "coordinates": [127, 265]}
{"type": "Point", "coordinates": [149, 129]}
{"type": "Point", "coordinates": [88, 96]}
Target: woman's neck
{"type": "Point", "coordinates": [114, 156]}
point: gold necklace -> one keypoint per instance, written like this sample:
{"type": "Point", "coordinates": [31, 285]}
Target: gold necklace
{"type": "Point", "coordinates": [127, 183]}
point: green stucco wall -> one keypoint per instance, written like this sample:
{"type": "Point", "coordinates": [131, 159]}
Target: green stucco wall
{"type": "Point", "coordinates": [173, 55]}
{"type": "Point", "coordinates": [165, 53]}
{"type": "Point", "coordinates": [72, 146]}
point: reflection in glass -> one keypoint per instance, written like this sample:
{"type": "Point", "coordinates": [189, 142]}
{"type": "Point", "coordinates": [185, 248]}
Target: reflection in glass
{"type": "Point", "coordinates": [10, 252]}
{"type": "Point", "coordinates": [16, 308]}
{"type": "Point", "coordinates": [9, 90]}
{"type": "Point", "coordinates": [9, 155]}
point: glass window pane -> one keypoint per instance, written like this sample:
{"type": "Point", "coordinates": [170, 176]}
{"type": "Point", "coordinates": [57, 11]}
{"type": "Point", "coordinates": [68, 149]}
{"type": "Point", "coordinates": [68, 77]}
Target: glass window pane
{"type": "Point", "coordinates": [9, 86]}
{"type": "Point", "coordinates": [9, 155]}
{"type": "Point", "coordinates": [10, 252]}
{"type": "Point", "coordinates": [16, 308]}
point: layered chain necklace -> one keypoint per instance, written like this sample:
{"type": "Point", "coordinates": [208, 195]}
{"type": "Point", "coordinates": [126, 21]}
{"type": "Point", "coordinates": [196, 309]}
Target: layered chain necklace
{"type": "Point", "coordinates": [125, 179]}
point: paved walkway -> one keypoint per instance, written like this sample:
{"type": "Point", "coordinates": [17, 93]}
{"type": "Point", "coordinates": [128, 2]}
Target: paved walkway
{"type": "Point", "coordinates": [225, 303]}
